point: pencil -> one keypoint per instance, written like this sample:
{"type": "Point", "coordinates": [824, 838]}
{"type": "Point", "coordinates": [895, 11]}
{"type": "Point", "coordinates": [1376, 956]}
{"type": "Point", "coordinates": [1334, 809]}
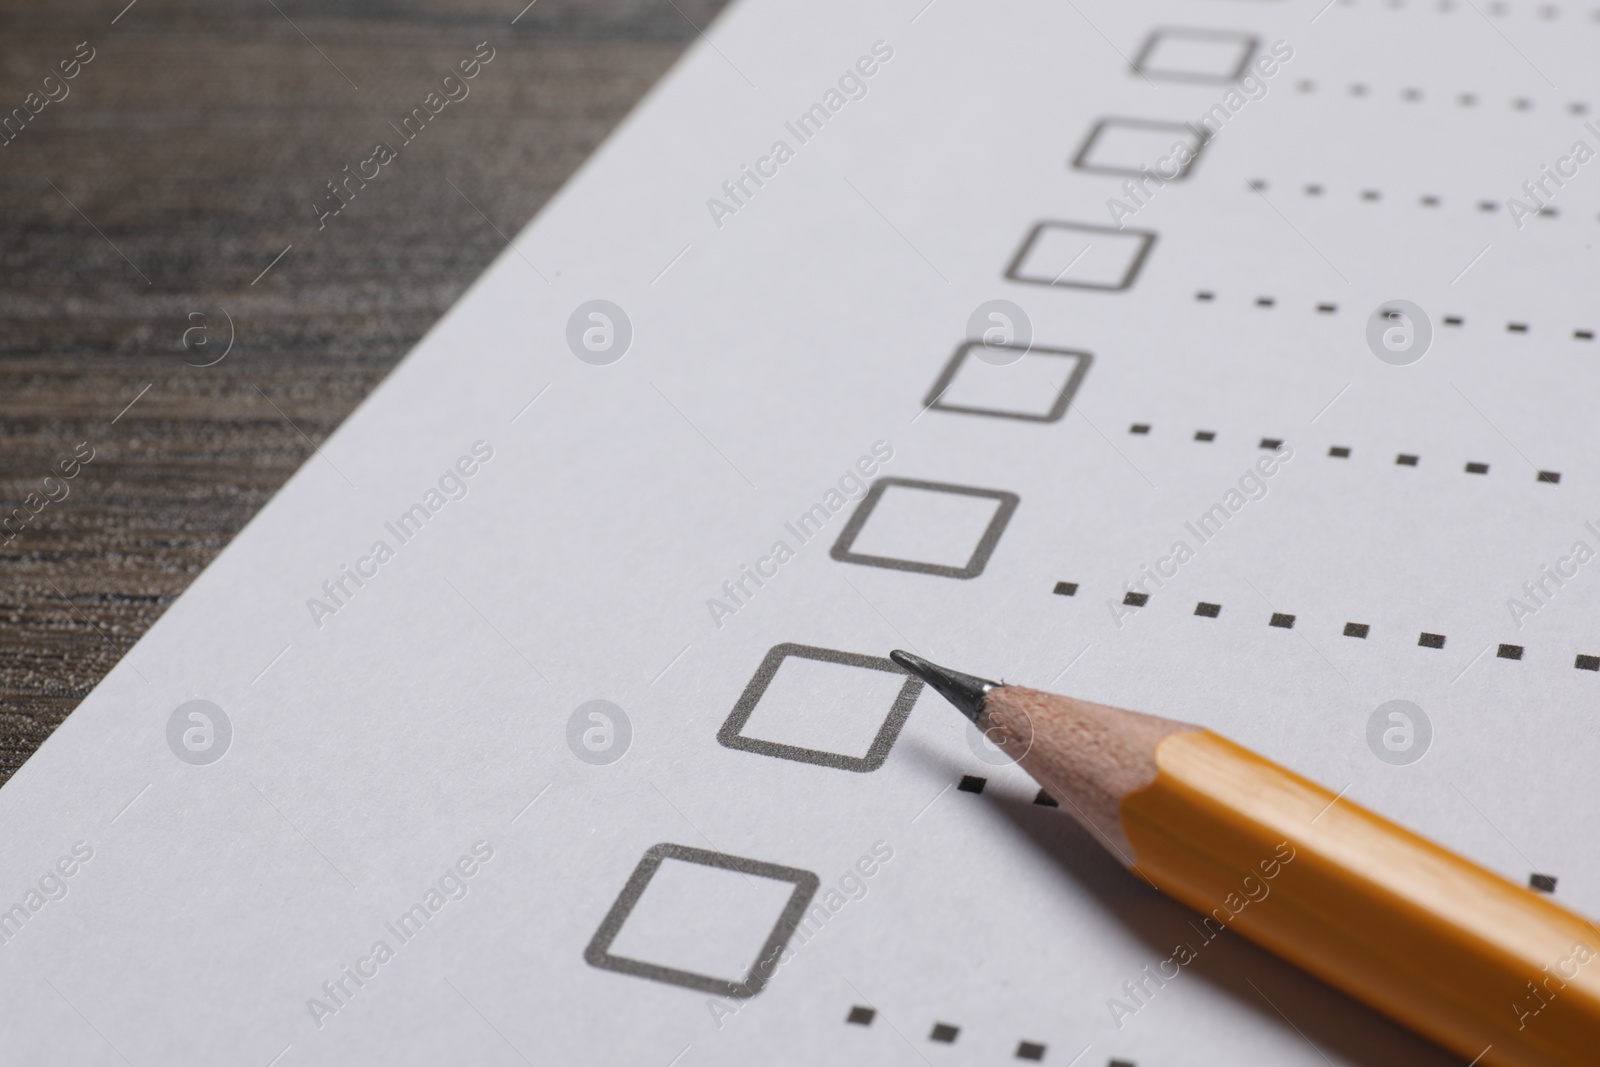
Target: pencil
{"type": "Point", "coordinates": [1494, 972]}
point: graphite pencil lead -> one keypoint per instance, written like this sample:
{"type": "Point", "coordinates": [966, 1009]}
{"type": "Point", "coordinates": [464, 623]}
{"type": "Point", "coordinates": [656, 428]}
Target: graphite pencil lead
{"type": "Point", "coordinates": [967, 692]}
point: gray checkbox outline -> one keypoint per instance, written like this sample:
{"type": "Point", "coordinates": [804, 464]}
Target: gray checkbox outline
{"type": "Point", "coordinates": [934, 400]}
{"type": "Point", "coordinates": [1251, 42]}
{"type": "Point", "coordinates": [1146, 240]}
{"type": "Point", "coordinates": [980, 554]}
{"type": "Point", "coordinates": [731, 734]}
{"type": "Point", "coordinates": [598, 954]}
{"type": "Point", "coordinates": [1082, 162]}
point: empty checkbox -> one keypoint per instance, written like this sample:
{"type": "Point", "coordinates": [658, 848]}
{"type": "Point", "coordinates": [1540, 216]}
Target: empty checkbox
{"type": "Point", "coordinates": [925, 527]}
{"type": "Point", "coordinates": [1037, 387]}
{"type": "Point", "coordinates": [1195, 55]}
{"type": "Point", "coordinates": [1137, 146]}
{"type": "Point", "coordinates": [703, 920]}
{"type": "Point", "coordinates": [1079, 256]}
{"type": "Point", "coordinates": [820, 706]}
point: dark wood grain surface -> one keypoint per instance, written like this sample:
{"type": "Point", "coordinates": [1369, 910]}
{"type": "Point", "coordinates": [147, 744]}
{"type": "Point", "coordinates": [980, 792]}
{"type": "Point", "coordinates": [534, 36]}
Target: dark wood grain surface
{"type": "Point", "coordinates": [145, 196]}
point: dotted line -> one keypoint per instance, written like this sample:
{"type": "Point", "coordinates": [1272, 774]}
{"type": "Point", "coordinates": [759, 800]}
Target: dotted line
{"type": "Point", "coordinates": [1549, 12]}
{"type": "Point", "coordinates": [1371, 196]}
{"type": "Point", "coordinates": [1413, 95]}
{"type": "Point", "coordinates": [1209, 296]}
{"type": "Point", "coordinates": [1285, 621]}
{"type": "Point", "coordinates": [946, 1033]}
{"type": "Point", "coordinates": [1404, 459]}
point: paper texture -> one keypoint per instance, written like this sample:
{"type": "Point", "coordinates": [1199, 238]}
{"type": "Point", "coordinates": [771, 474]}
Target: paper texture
{"type": "Point", "coordinates": [418, 828]}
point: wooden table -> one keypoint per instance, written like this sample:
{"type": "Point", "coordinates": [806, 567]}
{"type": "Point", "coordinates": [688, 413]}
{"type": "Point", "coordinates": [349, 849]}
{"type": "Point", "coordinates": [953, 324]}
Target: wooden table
{"type": "Point", "coordinates": [167, 200]}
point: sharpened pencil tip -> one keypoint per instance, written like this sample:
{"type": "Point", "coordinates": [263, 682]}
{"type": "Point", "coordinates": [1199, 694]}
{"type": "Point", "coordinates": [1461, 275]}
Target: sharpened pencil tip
{"type": "Point", "coordinates": [967, 692]}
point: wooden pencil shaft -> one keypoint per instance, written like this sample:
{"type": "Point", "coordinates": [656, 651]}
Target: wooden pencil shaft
{"type": "Point", "coordinates": [1479, 964]}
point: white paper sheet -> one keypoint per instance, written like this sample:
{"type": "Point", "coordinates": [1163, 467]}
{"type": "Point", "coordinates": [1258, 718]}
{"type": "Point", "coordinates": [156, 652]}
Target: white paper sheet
{"type": "Point", "coordinates": [416, 763]}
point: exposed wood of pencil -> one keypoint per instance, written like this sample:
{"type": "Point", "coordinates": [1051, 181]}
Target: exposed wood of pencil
{"type": "Point", "coordinates": [1497, 973]}
{"type": "Point", "coordinates": [1087, 756]}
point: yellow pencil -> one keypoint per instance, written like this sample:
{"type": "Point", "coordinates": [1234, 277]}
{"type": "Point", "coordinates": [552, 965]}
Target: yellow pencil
{"type": "Point", "coordinates": [1494, 972]}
